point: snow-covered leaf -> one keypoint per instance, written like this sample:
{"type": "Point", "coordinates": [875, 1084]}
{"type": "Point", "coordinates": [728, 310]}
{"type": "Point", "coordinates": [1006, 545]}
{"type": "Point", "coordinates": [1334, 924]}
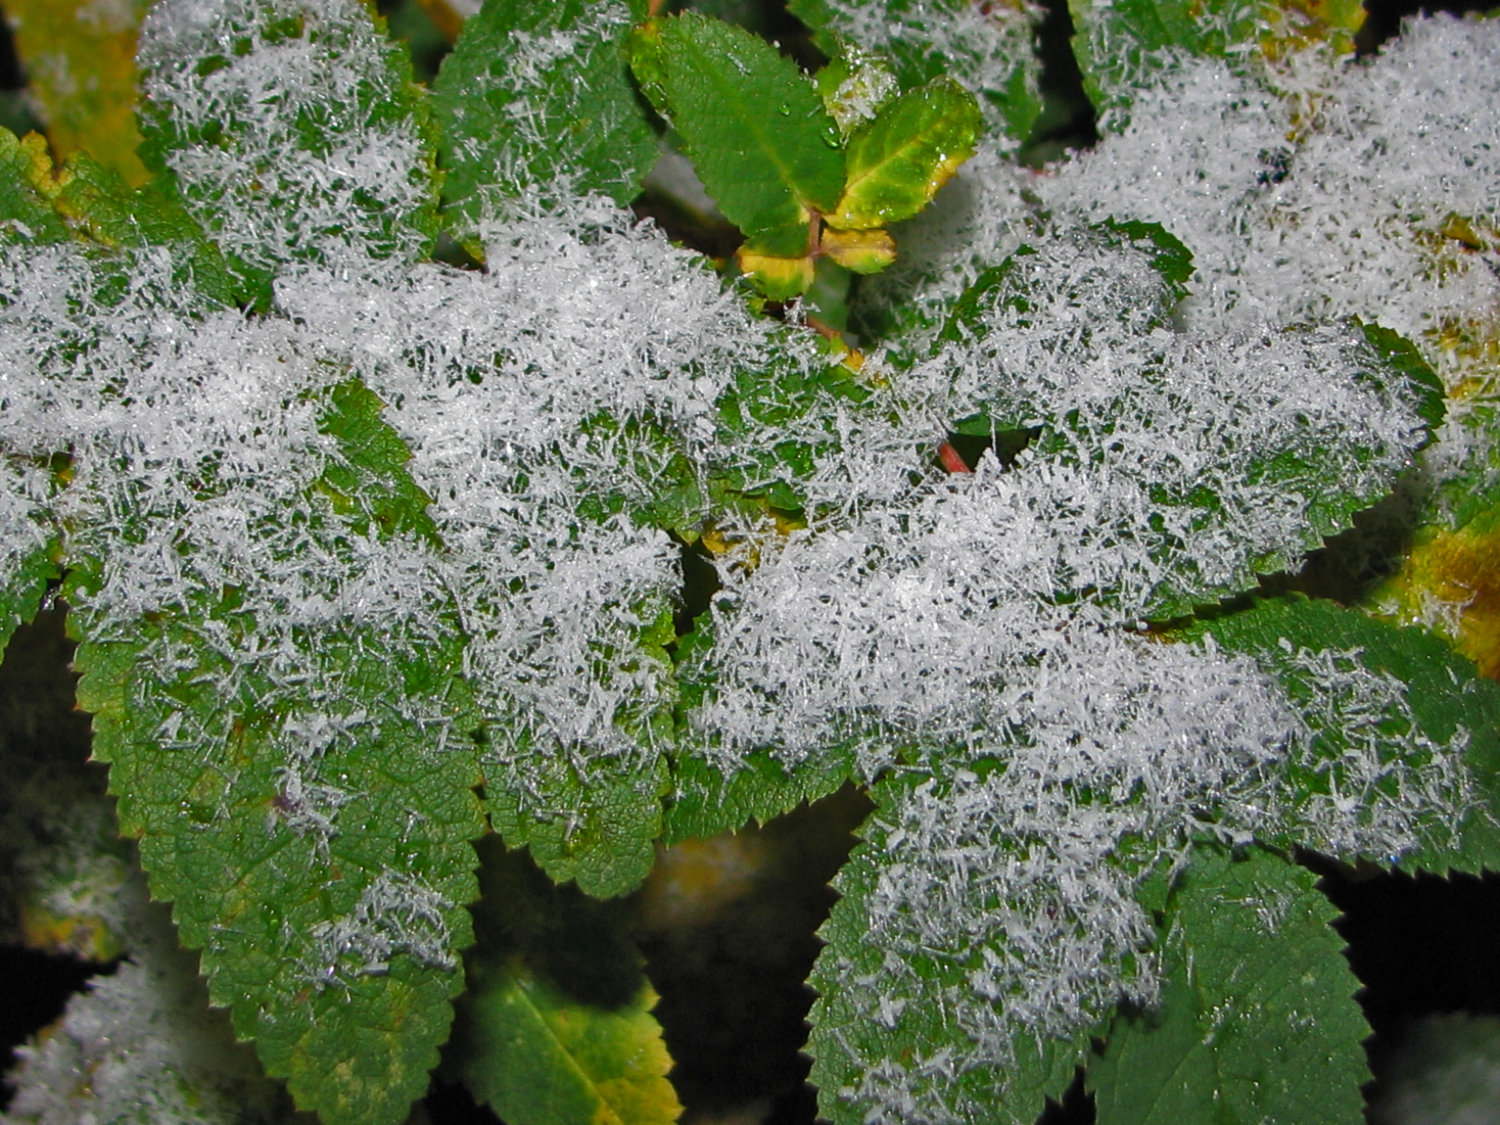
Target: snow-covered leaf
{"type": "Point", "coordinates": [537, 97]}
{"type": "Point", "coordinates": [1072, 337]}
{"type": "Point", "coordinates": [302, 792]}
{"type": "Point", "coordinates": [985, 47]}
{"type": "Point", "coordinates": [1402, 734]}
{"type": "Point", "coordinates": [292, 129]}
{"type": "Point", "coordinates": [899, 1033]}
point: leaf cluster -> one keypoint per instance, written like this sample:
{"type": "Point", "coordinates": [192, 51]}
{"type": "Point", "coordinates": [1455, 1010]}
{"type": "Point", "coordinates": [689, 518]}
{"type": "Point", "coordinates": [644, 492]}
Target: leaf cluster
{"type": "Point", "coordinates": [374, 560]}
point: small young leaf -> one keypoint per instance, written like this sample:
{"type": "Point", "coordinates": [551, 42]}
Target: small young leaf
{"type": "Point", "coordinates": [1257, 1019]}
{"type": "Point", "coordinates": [779, 278]}
{"type": "Point", "coordinates": [760, 139]}
{"type": "Point", "coordinates": [855, 85]}
{"type": "Point", "coordinates": [859, 251]}
{"type": "Point", "coordinates": [897, 161]}
{"type": "Point", "coordinates": [537, 96]}
{"type": "Point", "coordinates": [557, 1028]}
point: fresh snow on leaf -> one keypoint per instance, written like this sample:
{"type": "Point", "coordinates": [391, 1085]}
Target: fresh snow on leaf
{"type": "Point", "coordinates": [523, 75]}
{"type": "Point", "coordinates": [291, 126]}
{"type": "Point", "coordinates": [561, 598]}
{"type": "Point", "coordinates": [986, 47]}
{"type": "Point", "coordinates": [1385, 713]}
{"type": "Point", "coordinates": [1383, 204]}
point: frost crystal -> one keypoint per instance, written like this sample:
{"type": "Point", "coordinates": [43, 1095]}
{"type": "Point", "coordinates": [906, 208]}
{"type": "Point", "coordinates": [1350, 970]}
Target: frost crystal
{"type": "Point", "coordinates": [397, 913]}
{"type": "Point", "coordinates": [269, 186]}
{"type": "Point", "coordinates": [973, 645]}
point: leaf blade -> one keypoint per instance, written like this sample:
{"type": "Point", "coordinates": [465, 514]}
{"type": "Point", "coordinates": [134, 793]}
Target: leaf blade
{"type": "Point", "coordinates": [897, 161]}
{"type": "Point", "coordinates": [1254, 1023]}
{"type": "Point", "coordinates": [761, 141]}
{"type": "Point", "coordinates": [557, 1028]}
{"type": "Point", "coordinates": [523, 75]}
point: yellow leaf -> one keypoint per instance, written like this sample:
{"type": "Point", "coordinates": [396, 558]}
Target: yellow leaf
{"type": "Point", "coordinates": [862, 251]}
{"type": "Point", "coordinates": [80, 58]}
{"type": "Point", "coordinates": [780, 279]}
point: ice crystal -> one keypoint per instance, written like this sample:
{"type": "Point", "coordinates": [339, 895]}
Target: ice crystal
{"type": "Point", "coordinates": [973, 645]}
{"type": "Point", "coordinates": [397, 913]}
{"type": "Point", "coordinates": [270, 186]}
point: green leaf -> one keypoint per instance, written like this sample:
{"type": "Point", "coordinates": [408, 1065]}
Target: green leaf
{"type": "Point", "coordinates": [596, 828]}
{"type": "Point", "coordinates": [1120, 45]}
{"type": "Point", "coordinates": [891, 1043]}
{"type": "Point", "coordinates": [775, 423]}
{"type": "Point", "coordinates": [706, 801]}
{"type": "Point", "coordinates": [594, 823]}
{"type": "Point", "coordinates": [897, 161]}
{"type": "Point", "coordinates": [1072, 339]}
{"type": "Point", "coordinates": [1395, 717]}
{"type": "Point", "coordinates": [327, 895]}
{"type": "Point", "coordinates": [759, 137]}
{"type": "Point", "coordinates": [24, 575]}
{"type": "Point", "coordinates": [538, 96]}
{"type": "Point", "coordinates": [1257, 1019]}
{"type": "Point", "coordinates": [97, 201]}
{"type": "Point", "coordinates": [369, 485]}
{"type": "Point", "coordinates": [557, 1028]}
{"type": "Point", "coordinates": [293, 131]}
{"type": "Point", "coordinates": [1402, 356]}
{"type": "Point", "coordinates": [309, 815]}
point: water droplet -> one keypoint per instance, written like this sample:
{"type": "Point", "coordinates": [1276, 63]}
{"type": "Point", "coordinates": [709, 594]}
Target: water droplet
{"type": "Point", "coordinates": [784, 109]}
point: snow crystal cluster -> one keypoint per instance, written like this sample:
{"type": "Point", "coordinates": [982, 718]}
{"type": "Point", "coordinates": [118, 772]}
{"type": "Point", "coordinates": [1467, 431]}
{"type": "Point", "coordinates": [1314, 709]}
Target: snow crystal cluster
{"type": "Point", "coordinates": [292, 149]}
{"type": "Point", "coordinates": [974, 43]}
{"type": "Point", "coordinates": [1365, 189]}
